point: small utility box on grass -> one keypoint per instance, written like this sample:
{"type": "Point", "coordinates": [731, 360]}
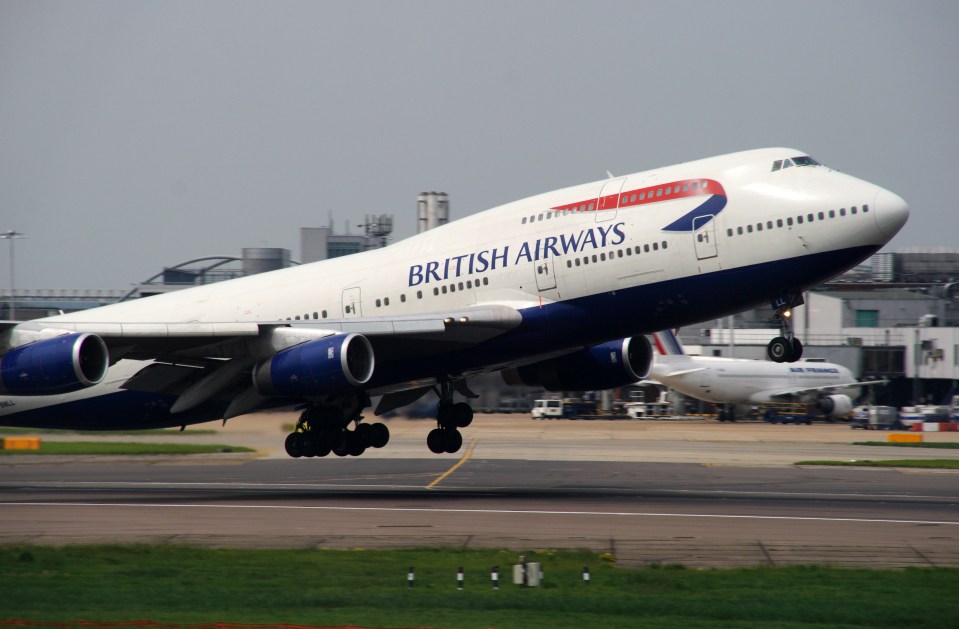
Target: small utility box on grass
{"type": "Point", "coordinates": [526, 574]}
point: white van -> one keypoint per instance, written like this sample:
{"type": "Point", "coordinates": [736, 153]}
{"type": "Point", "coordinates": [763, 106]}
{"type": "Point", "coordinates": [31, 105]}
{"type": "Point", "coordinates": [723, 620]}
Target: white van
{"type": "Point", "coordinates": [547, 409]}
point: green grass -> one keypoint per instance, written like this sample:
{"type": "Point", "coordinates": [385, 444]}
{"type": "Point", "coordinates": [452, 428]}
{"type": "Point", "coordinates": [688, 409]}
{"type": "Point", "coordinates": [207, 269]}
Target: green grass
{"type": "Point", "coordinates": [189, 432]}
{"type": "Point", "coordinates": [74, 448]}
{"type": "Point", "coordinates": [368, 588]}
{"type": "Point", "coordinates": [945, 464]}
{"type": "Point", "coordinates": [950, 445]}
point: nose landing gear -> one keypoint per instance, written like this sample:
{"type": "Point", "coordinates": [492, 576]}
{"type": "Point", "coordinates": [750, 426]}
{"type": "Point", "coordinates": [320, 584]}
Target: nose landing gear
{"type": "Point", "coordinates": [785, 348]}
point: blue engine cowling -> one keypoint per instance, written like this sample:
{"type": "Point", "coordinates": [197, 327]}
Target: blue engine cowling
{"type": "Point", "coordinates": [59, 365]}
{"type": "Point", "coordinates": [321, 367]}
{"type": "Point", "coordinates": [595, 368]}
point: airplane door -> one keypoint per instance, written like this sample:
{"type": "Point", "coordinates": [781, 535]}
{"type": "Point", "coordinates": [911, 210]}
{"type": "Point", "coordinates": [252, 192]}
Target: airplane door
{"type": "Point", "coordinates": [545, 278]}
{"type": "Point", "coordinates": [351, 303]}
{"type": "Point", "coordinates": [608, 200]}
{"type": "Point", "coordinates": [704, 236]}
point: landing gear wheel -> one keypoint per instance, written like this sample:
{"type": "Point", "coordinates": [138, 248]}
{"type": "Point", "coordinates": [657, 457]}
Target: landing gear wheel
{"type": "Point", "coordinates": [294, 445]}
{"type": "Point", "coordinates": [462, 414]}
{"type": "Point", "coordinates": [796, 350]}
{"type": "Point", "coordinates": [436, 441]}
{"type": "Point", "coordinates": [779, 350]}
{"type": "Point", "coordinates": [308, 445]}
{"type": "Point", "coordinates": [453, 440]}
{"type": "Point", "coordinates": [354, 444]}
{"type": "Point", "coordinates": [364, 434]}
{"type": "Point", "coordinates": [379, 435]}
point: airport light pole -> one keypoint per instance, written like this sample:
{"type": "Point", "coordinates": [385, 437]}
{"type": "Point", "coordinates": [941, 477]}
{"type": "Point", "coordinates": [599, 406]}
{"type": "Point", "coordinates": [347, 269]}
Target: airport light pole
{"type": "Point", "coordinates": [12, 235]}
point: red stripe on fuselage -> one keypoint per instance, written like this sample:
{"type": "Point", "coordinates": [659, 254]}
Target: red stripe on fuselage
{"type": "Point", "coordinates": [644, 196]}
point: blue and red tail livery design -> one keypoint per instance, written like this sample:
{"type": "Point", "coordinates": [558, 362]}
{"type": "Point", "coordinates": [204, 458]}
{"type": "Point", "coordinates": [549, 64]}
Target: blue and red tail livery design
{"type": "Point", "coordinates": [667, 343]}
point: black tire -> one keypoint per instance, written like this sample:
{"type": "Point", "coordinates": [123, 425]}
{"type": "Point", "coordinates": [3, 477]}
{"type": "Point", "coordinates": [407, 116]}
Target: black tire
{"type": "Point", "coordinates": [779, 350]}
{"type": "Point", "coordinates": [340, 443]}
{"type": "Point", "coordinates": [294, 446]}
{"type": "Point", "coordinates": [308, 445]}
{"type": "Point", "coordinates": [445, 416]}
{"type": "Point", "coordinates": [323, 444]}
{"type": "Point", "coordinates": [364, 433]}
{"type": "Point", "coordinates": [354, 444]}
{"type": "Point", "coordinates": [462, 414]}
{"type": "Point", "coordinates": [436, 441]}
{"type": "Point", "coordinates": [454, 441]}
{"type": "Point", "coordinates": [380, 435]}
{"type": "Point", "coordinates": [796, 351]}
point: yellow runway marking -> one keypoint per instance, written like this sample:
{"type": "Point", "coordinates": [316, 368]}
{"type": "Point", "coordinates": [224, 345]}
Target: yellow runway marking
{"type": "Point", "coordinates": [466, 457]}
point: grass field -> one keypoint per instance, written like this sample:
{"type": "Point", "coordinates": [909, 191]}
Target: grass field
{"type": "Point", "coordinates": [943, 464]}
{"type": "Point", "coordinates": [74, 448]}
{"type": "Point", "coordinates": [944, 445]}
{"type": "Point", "coordinates": [369, 588]}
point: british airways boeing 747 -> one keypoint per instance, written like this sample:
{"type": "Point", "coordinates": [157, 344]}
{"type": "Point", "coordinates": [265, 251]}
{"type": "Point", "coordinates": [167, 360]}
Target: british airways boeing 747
{"type": "Point", "coordinates": [556, 290]}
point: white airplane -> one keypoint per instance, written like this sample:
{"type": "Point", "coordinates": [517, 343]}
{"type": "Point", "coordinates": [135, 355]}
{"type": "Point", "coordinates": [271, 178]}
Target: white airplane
{"type": "Point", "coordinates": [556, 290]}
{"type": "Point", "coordinates": [730, 381]}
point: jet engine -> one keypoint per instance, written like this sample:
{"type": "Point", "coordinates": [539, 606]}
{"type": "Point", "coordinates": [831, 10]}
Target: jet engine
{"type": "Point", "coordinates": [838, 405]}
{"type": "Point", "coordinates": [595, 368]}
{"type": "Point", "coordinates": [52, 366]}
{"type": "Point", "coordinates": [321, 367]}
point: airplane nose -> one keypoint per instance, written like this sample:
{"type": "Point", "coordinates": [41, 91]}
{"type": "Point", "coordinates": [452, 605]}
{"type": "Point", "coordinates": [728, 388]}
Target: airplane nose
{"type": "Point", "coordinates": [891, 212]}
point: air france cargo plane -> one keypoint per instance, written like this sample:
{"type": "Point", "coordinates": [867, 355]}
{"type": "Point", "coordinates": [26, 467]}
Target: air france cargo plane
{"type": "Point", "coordinates": [730, 381]}
{"type": "Point", "coordinates": [556, 290]}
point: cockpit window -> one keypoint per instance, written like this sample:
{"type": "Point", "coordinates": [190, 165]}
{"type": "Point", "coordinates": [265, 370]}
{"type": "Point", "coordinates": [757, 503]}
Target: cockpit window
{"type": "Point", "coordinates": [802, 160]}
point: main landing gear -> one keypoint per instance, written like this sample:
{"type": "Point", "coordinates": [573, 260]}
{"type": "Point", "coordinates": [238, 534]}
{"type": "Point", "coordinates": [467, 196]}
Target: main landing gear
{"type": "Point", "coordinates": [323, 429]}
{"type": "Point", "coordinates": [449, 417]}
{"type": "Point", "coordinates": [785, 348]}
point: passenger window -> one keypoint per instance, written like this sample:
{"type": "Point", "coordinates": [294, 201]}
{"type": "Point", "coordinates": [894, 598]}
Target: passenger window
{"type": "Point", "coordinates": [822, 216]}
{"type": "Point", "coordinates": [749, 228]}
{"type": "Point", "coordinates": [485, 281]}
{"type": "Point", "coordinates": [832, 213]}
{"type": "Point", "coordinates": [602, 257]}
{"type": "Point", "coordinates": [779, 222]}
{"type": "Point", "coordinates": [842, 211]}
{"type": "Point", "coordinates": [637, 249]}
{"type": "Point", "coordinates": [324, 314]}
{"type": "Point", "coordinates": [789, 221]}
{"type": "Point", "coordinates": [739, 230]}
{"type": "Point", "coordinates": [569, 265]}
{"type": "Point", "coordinates": [810, 218]}
{"type": "Point", "coordinates": [642, 195]}
{"type": "Point", "coordinates": [524, 220]}
{"type": "Point", "coordinates": [852, 210]}
{"type": "Point", "coordinates": [403, 297]}
{"type": "Point", "coordinates": [594, 257]}
{"type": "Point", "coordinates": [646, 248]}
{"type": "Point", "coordinates": [377, 305]}
{"type": "Point", "coordinates": [452, 288]}
{"type": "Point", "coordinates": [577, 261]}
{"type": "Point", "coordinates": [655, 246]}
{"type": "Point", "coordinates": [629, 252]}
{"type": "Point", "coordinates": [865, 209]}
{"type": "Point", "coordinates": [664, 244]}
{"type": "Point", "coordinates": [586, 260]}
{"type": "Point", "coordinates": [590, 208]}
{"type": "Point", "coordinates": [436, 291]}
{"type": "Point", "coordinates": [759, 227]}
{"type": "Point", "coordinates": [729, 232]}
{"type": "Point", "coordinates": [799, 219]}
{"type": "Point", "coordinates": [386, 302]}
{"type": "Point", "coordinates": [685, 187]}
{"type": "Point", "coordinates": [419, 294]}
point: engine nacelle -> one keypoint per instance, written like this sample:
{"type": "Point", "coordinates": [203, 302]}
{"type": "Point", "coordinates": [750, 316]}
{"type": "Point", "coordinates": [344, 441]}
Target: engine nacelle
{"type": "Point", "coordinates": [838, 405]}
{"type": "Point", "coordinates": [596, 368]}
{"type": "Point", "coordinates": [329, 365]}
{"type": "Point", "coordinates": [58, 365]}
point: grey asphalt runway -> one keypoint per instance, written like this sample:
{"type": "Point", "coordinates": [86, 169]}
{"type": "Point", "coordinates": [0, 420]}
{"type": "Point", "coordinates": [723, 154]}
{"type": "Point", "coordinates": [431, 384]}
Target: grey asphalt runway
{"type": "Point", "coordinates": [580, 486]}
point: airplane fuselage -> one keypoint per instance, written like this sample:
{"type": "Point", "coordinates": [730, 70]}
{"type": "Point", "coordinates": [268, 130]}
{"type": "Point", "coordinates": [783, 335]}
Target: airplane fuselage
{"type": "Point", "coordinates": [580, 266]}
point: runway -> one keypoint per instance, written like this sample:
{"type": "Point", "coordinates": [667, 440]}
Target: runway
{"type": "Point", "coordinates": [642, 513]}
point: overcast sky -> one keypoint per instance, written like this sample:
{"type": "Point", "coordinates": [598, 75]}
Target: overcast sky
{"type": "Point", "coordinates": [136, 135]}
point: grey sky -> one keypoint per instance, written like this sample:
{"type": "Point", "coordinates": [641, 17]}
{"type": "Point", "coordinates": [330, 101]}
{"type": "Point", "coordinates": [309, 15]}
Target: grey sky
{"type": "Point", "coordinates": [135, 135]}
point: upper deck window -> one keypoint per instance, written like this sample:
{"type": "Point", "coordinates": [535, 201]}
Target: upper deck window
{"type": "Point", "coordinates": [802, 160]}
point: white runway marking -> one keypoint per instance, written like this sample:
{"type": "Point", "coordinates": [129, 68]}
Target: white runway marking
{"type": "Point", "coordinates": [626, 514]}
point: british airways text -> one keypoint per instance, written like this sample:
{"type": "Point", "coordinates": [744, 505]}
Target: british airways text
{"type": "Point", "coordinates": [496, 258]}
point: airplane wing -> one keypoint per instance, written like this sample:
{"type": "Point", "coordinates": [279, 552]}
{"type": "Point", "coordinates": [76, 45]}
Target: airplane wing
{"type": "Point", "coordinates": [199, 361]}
{"type": "Point", "coordinates": [786, 394]}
